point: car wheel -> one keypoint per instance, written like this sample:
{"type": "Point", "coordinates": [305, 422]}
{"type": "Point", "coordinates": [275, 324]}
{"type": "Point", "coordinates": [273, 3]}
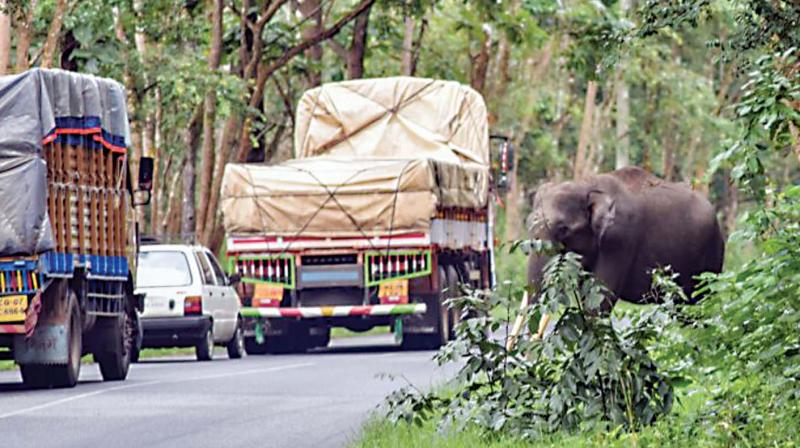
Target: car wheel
{"type": "Point", "coordinates": [205, 346]}
{"type": "Point", "coordinates": [236, 345]}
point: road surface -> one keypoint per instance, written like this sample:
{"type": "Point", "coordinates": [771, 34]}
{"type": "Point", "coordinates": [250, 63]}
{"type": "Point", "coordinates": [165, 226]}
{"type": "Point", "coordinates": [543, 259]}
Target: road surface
{"type": "Point", "coordinates": [309, 400]}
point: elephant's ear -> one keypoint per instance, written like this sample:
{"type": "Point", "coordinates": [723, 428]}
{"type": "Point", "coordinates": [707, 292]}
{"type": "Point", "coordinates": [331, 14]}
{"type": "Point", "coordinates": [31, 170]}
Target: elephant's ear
{"type": "Point", "coordinates": [602, 209]}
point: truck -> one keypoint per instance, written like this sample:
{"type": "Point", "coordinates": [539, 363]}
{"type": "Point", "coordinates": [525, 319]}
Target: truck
{"type": "Point", "coordinates": [384, 212]}
{"type": "Point", "coordinates": [68, 232]}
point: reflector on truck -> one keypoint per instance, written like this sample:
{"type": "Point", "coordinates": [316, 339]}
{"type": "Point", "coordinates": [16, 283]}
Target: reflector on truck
{"type": "Point", "coordinates": [395, 265]}
{"type": "Point", "coordinates": [269, 269]}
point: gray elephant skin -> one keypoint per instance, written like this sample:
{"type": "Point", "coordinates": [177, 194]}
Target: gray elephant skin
{"type": "Point", "coordinates": [624, 224]}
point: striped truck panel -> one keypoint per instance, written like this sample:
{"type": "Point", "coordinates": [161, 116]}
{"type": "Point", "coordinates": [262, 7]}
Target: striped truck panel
{"type": "Point", "coordinates": [312, 312]}
{"type": "Point", "coordinates": [269, 269]}
{"type": "Point", "coordinates": [19, 277]}
{"type": "Point", "coordinates": [380, 267]}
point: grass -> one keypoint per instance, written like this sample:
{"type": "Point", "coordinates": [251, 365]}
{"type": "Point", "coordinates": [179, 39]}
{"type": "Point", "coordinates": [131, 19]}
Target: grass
{"type": "Point", "coordinates": [379, 432]}
{"type": "Point", "coordinates": [145, 354]}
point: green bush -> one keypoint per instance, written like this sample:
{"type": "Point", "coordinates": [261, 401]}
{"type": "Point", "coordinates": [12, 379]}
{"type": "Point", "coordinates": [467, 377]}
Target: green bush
{"type": "Point", "coordinates": [591, 369]}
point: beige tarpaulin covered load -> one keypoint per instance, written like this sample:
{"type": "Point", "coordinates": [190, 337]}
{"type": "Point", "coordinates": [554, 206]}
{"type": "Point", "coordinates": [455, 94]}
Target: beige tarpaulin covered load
{"type": "Point", "coordinates": [373, 156]}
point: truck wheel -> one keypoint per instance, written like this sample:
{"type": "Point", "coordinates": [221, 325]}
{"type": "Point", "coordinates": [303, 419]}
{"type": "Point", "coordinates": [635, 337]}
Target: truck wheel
{"type": "Point", "coordinates": [66, 375]}
{"type": "Point", "coordinates": [453, 290]}
{"type": "Point", "coordinates": [236, 347]}
{"type": "Point", "coordinates": [136, 348]}
{"type": "Point", "coordinates": [254, 348]}
{"type": "Point", "coordinates": [115, 359]}
{"type": "Point", "coordinates": [205, 346]}
{"type": "Point", "coordinates": [321, 340]}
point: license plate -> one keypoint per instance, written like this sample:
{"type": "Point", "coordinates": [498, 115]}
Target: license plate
{"type": "Point", "coordinates": [395, 291]}
{"type": "Point", "coordinates": [267, 294]}
{"type": "Point", "coordinates": [12, 308]}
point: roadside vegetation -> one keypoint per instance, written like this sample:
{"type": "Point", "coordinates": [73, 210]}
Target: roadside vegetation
{"type": "Point", "coordinates": [724, 372]}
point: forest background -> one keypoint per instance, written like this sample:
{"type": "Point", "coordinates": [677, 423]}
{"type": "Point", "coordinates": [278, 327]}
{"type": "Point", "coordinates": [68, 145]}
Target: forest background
{"type": "Point", "coordinates": [215, 81]}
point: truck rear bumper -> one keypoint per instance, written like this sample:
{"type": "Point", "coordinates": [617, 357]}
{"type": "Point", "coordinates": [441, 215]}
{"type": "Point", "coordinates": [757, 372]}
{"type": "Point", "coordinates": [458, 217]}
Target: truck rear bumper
{"type": "Point", "coordinates": [315, 312]}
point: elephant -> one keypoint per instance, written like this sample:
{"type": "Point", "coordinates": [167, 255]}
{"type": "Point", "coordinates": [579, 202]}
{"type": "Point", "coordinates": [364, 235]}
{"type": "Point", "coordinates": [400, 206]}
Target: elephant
{"type": "Point", "coordinates": [625, 223]}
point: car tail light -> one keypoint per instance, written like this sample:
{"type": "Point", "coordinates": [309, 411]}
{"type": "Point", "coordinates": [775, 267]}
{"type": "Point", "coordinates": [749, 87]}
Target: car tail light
{"type": "Point", "coordinates": [192, 305]}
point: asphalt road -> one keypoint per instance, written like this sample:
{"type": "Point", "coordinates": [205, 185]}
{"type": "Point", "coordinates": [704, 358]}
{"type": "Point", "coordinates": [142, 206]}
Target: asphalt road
{"type": "Point", "coordinates": [312, 400]}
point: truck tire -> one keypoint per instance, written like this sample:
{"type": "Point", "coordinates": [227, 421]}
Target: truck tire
{"type": "Point", "coordinates": [66, 375]}
{"type": "Point", "coordinates": [441, 334]}
{"type": "Point", "coordinates": [136, 348]}
{"type": "Point", "coordinates": [115, 358]}
{"type": "Point", "coordinates": [236, 348]}
{"type": "Point", "coordinates": [454, 279]}
{"type": "Point", "coordinates": [252, 347]}
{"type": "Point", "coordinates": [205, 346]}
{"type": "Point", "coordinates": [321, 340]}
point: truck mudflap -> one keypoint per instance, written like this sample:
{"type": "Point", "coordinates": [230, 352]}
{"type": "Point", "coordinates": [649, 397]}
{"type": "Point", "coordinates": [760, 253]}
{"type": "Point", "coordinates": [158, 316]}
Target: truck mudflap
{"type": "Point", "coordinates": [47, 345]}
{"type": "Point", "coordinates": [313, 312]}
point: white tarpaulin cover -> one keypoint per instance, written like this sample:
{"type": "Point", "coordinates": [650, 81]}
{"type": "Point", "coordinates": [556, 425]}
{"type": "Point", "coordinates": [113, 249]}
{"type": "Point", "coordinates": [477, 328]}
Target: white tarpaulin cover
{"type": "Point", "coordinates": [374, 156]}
{"type": "Point", "coordinates": [393, 117]}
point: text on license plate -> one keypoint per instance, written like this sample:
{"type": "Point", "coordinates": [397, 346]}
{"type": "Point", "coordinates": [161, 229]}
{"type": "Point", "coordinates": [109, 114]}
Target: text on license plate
{"type": "Point", "coordinates": [396, 289]}
{"type": "Point", "coordinates": [12, 308]}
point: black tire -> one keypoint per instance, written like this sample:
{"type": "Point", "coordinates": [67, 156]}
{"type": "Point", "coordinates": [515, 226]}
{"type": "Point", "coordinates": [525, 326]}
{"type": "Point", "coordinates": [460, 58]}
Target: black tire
{"type": "Point", "coordinates": [119, 334]}
{"type": "Point", "coordinates": [60, 375]}
{"type": "Point", "coordinates": [236, 348]}
{"type": "Point", "coordinates": [454, 280]}
{"type": "Point", "coordinates": [441, 334]}
{"type": "Point", "coordinates": [136, 349]}
{"type": "Point", "coordinates": [254, 348]}
{"type": "Point", "coordinates": [205, 346]}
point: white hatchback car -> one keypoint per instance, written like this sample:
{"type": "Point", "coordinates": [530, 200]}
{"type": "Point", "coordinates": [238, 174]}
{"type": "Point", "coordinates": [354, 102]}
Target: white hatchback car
{"type": "Point", "coordinates": [189, 301]}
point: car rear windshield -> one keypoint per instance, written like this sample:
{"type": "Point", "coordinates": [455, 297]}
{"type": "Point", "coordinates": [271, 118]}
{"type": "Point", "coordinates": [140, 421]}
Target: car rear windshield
{"type": "Point", "coordinates": [163, 269]}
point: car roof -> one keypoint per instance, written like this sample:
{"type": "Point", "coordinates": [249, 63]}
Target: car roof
{"type": "Point", "coordinates": [170, 247]}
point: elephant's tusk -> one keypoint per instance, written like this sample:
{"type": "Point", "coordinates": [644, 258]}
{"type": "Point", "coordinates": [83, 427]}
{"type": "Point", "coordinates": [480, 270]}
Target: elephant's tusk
{"type": "Point", "coordinates": [543, 322]}
{"type": "Point", "coordinates": [518, 323]}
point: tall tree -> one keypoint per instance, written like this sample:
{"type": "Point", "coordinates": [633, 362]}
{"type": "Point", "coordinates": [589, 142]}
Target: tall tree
{"type": "Point", "coordinates": [5, 37]}
{"type": "Point", "coordinates": [207, 160]}
{"type": "Point", "coordinates": [23, 23]}
{"type": "Point", "coordinates": [353, 55]}
{"type": "Point", "coordinates": [623, 105]}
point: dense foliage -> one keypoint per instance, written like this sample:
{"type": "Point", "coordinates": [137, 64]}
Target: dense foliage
{"type": "Point", "coordinates": [589, 369]}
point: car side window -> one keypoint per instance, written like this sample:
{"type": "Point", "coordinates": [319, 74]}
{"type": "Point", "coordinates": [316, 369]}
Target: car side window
{"type": "Point", "coordinates": [205, 268]}
{"type": "Point", "coordinates": [221, 279]}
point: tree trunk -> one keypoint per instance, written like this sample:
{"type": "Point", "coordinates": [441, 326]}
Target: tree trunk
{"type": "Point", "coordinates": [586, 130]}
{"type": "Point", "coordinates": [188, 200]}
{"type": "Point", "coordinates": [155, 210]}
{"type": "Point", "coordinates": [171, 222]}
{"type": "Point", "coordinates": [623, 106]}
{"type": "Point", "coordinates": [407, 59]}
{"type": "Point", "coordinates": [5, 37]}
{"type": "Point", "coordinates": [24, 29]}
{"type": "Point", "coordinates": [668, 156]}
{"type": "Point", "coordinates": [51, 42]}
{"type": "Point", "coordinates": [795, 133]}
{"type": "Point", "coordinates": [355, 55]}
{"type": "Point", "coordinates": [209, 121]}
{"type": "Point", "coordinates": [312, 9]}
{"type": "Point", "coordinates": [480, 63]}
{"type": "Point", "coordinates": [503, 75]}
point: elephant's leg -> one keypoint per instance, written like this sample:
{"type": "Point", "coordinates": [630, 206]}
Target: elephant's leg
{"type": "Point", "coordinates": [612, 271]}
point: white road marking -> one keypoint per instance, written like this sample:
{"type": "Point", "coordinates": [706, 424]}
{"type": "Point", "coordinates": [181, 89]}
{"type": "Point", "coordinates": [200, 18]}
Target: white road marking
{"type": "Point", "coordinates": [150, 383]}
